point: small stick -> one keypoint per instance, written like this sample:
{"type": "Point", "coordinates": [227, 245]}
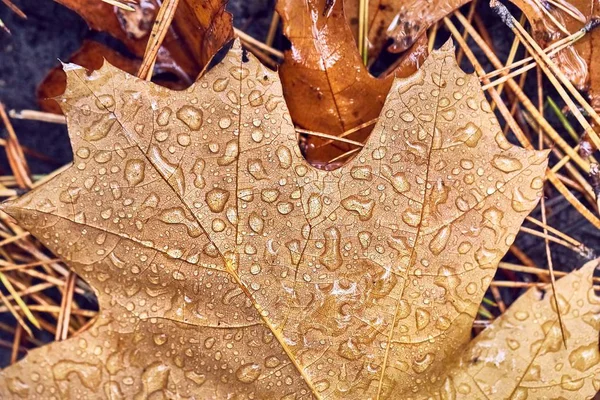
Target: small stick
{"type": "Point", "coordinates": [546, 236]}
{"type": "Point", "coordinates": [548, 129]}
{"type": "Point", "coordinates": [330, 137]}
{"type": "Point", "coordinates": [546, 63]}
{"type": "Point", "coordinates": [551, 50]}
{"type": "Point", "coordinates": [4, 27]}
{"type": "Point", "coordinates": [569, 9]}
{"type": "Point", "coordinates": [122, 6]}
{"type": "Point", "coordinates": [247, 38]}
{"type": "Point", "coordinates": [159, 31]}
{"type": "Point", "coordinates": [532, 109]}
{"type": "Point", "coordinates": [15, 9]}
{"type": "Point", "coordinates": [16, 344]}
{"type": "Point", "coordinates": [342, 156]}
{"type": "Point", "coordinates": [14, 153]}
{"type": "Point", "coordinates": [551, 17]}
{"type": "Point", "coordinates": [566, 237]}
{"type": "Point", "coordinates": [272, 29]}
{"type": "Point", "coordinates": [38, 116]}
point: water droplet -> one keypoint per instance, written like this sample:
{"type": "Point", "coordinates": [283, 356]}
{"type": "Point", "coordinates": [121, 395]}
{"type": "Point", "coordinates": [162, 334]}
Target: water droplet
{"type": "Point", "coordinates": [506, 164]}
{"type": "Point", "coordinates": [220, 84]}
{"type": "Point", "coordinates": [248, 373]}
{"type": "Point", "coordinates": [285, 157]}
{"type": "Point", "coordinates": [422, 317]}
{"type": "Point", "coordinates": [361, 207]}
{"type": "Point", "coordinates": [470, 134]}
{"type": "Point", "coordinates": [216, 199]}
{"type": "Point", "coordinates": [256, 223]}
{"type": "Point", "coordinates": [256, 169]}
{"type": "Point", "coordinates": [225, 123]}
{"type": "Point", "coordinates": [314, 206]}
{"type": "Point", "coordinates": [190, 116]}
{"type": "Point", "coordinates": [331, 257]}
{"type": "Point", "coordinates": [269, 195]}
{"type": "Point", "coordinates": [164, 117]}
{"type": "Point", "coordinates": [256, 98]}
{"type": "Point", "coordinates": [363, 173]}
{"type": "Point", "coordinates": [184, 139]}
{"type": "Point", "coordinates": [284, 207]}
{"type": "Point", "coordinates": [230, 155]}
{"type": "Point", "coordinates": [440, 240]}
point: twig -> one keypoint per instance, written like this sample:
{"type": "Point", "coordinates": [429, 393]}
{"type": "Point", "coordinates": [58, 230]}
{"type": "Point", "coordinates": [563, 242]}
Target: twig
{"type": "Point", "coordinates": [159, 31]}
{"type": "Point", "coordinates": [247, 38]}
{"type": "Point", "coordinates": [122, 6]}
{"type": "Point", "coordinates": [38, 116]}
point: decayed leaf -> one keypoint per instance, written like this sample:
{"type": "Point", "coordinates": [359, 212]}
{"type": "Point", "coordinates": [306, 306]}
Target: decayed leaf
{"type": "Point", "coordinates": [401, 21]}
{"type": "Point", "coordinates": [577, 62]}
{"type": "Point", "coordinates": [326, 86]}
{"type": "Point", "coordinates": [199, 29]}
{"type": "Point", "coordinates": [227, 267]}
{"type": "Point", "coordinates": [522, 356]}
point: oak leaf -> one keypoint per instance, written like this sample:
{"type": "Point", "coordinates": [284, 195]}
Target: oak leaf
{"type": "Point", "coordinates": [326, 85]}
{"type": "Point", "coordinates": [226, 266]}
{"type": "Point", "coordinates": [399, 22]}
{"type": "Point", "coordinates": [522, 354]}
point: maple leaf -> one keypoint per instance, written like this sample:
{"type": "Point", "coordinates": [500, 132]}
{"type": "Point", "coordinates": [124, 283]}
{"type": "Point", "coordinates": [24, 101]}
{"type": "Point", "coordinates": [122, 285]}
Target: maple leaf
{"type": "Point", "coordinates": [227, 267]}
{"type": "Point", "coordinates": [326, 86]}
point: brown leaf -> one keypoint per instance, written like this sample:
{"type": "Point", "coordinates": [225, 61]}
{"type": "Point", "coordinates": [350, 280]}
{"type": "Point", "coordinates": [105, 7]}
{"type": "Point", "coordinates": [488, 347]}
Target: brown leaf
{"type": "Point", "coordinates": [91, 56]}
{"type": "Point", "coordinates": [326, 86]}
{"type": "Point", "coordinates": [577, 62]}
{"type": "Point", "coordinates": [402, 22]}
{"type": "Point", "coordinates": [522, 352]}
{"type": "Point", "coordinates": [199, 30]}
{"type": "Point", "coordinates": [226, 266]}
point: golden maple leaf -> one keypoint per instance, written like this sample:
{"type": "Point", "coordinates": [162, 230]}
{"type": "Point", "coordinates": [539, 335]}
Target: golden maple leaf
{"type": "Point", "coordinates": [227, 267]}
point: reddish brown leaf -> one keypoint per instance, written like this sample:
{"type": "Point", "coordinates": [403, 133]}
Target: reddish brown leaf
{"type": "Point", "coordinates": [200, 28]}
{"type": "Point", "coordinates": [401, 21]}
{"type": "Point", "coordinates": [91, 55]}
{"type": "Point", "coordinates": [326, 85]}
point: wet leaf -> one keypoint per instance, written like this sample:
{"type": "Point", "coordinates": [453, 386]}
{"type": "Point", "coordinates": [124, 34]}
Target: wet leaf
{"type": "Point", "coordinates": [398, 24]}
{"type": "Point", "coordinates": [326, 86]}
{"type": "Point", "coordinates": [576, 61]}
{"type": "Point", "coordinates": [199, 29]}
{"type": "Point", "coordinates": [522, 352]}
{"type": "Point", "coordinates": [226, 266]}
{"type": "Point", "coordinates": [91, 56]}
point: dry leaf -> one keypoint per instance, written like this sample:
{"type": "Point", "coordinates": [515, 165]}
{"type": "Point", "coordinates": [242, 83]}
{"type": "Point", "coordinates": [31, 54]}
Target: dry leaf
{"type": "Point", "coordinates": [522, 356]}
{"type": "Point", "coordinates": [326, 86]}
{"type": "Point", "coordinates": [200, 28]}
{"type": "Point", "coordinates": [227, 267]}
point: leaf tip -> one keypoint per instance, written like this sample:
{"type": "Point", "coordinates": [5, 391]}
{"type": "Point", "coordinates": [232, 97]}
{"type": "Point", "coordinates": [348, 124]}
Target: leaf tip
{"type": "Point", "coordinates": [448, 46]}
{"type": "Point", "coordinates": [70, 66]}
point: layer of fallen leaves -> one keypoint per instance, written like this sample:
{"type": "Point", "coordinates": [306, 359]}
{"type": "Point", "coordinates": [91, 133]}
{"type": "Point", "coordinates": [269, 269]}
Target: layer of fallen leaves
{"type": "Point", "coordinates": [199, 30]}
{"type": "Point", "coordinates": [226, 265]}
